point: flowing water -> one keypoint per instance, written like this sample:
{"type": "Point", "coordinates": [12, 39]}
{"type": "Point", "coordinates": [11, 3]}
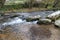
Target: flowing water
{"type": "Point", "coordinates": [18, 29]}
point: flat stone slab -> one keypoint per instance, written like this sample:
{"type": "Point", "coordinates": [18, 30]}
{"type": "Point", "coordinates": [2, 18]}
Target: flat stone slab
{"type": "Point", "coordinates": [29, 31]}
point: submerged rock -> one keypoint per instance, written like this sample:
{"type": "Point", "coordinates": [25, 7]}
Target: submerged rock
{"type": "Point", "coordinates": [33, 18]}
{"type": "Point", "coordinates": [44, 21]}
{"type": "Point", "coordinates": [57, 23]}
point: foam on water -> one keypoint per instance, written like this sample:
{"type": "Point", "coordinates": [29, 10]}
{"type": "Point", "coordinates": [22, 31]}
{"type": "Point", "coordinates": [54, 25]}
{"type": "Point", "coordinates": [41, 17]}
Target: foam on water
{"type": "Point", "coordinates": [14, 21]}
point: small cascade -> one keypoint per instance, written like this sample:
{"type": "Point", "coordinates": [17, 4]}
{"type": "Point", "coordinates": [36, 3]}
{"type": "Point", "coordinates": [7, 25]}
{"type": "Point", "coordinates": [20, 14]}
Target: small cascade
{"type": "Point", "coordinates": [14, 21]}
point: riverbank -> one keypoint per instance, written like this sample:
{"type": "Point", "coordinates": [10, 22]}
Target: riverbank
{"type": "Point", "coordinates": [28, 10]}
{"type": "Point", "coordinates": [23, 10]}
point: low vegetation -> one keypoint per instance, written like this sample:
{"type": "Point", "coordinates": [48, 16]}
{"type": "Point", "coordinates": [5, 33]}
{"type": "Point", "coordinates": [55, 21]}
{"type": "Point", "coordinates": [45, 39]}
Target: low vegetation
{"type": "Point", "coordinates": [44, 4]}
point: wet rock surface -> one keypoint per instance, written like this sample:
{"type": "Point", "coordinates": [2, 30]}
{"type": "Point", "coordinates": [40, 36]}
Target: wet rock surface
{"type": "Point", "coordinates": [57, 23]}
{"type": "Point", "coordinates": [44, 21]}
{"type": "Point", "coordinates": [28, 31]}
{"type": "Point", "coordinates": [33, 18]}
{"type": "Point", "coordinates": [40, 33]}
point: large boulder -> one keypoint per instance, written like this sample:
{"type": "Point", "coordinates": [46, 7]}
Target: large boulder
{"type": "Point", "coordinates": [54, 15]}
{"type": "Point", "coordinates": [57, 23]}
{"type": "Point", "coordinates": [44, 21]}
{"type": "Point", "coordinates": [33, 18]}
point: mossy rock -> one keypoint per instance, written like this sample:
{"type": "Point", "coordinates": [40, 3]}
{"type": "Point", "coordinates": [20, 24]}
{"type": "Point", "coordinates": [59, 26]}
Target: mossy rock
{"type": "Point", "coordinates": [44, 21]}
{"type": "Point", "coordinates": [30, 19]}
{"type": "Point", "coordinates": [53, 19]}
{"type": "Point", "coordinates": [33, 18]}
{"type": "Point", "coordinates": [13, 16]}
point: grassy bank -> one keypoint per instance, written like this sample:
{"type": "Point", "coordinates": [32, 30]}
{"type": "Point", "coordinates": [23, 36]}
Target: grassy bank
{"type": "Point", "coordinates": [29, 6]}
{"type": "Point", "coordinates": [27, 10]}
{"type": "Point", "coordinates": [22, 8]}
